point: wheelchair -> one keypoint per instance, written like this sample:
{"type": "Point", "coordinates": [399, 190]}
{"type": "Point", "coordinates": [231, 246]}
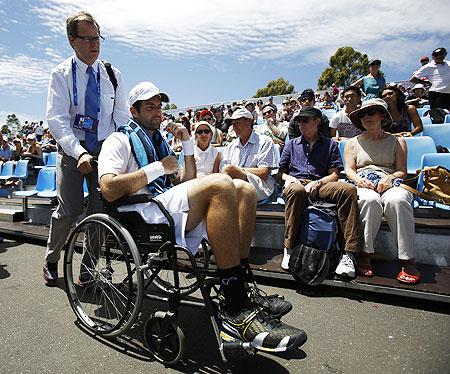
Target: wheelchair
{"type": "Point", "coordinates": [110, 261]}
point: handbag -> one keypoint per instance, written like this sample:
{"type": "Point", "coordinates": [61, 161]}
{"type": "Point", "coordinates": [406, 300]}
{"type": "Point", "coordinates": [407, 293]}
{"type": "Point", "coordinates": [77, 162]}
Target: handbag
{"type": "Point", "coordinates": [436, 184]}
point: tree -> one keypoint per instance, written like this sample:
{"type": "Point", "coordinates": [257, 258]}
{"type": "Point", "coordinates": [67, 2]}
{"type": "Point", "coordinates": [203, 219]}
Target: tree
{"type": "Point", "coordinates": [169, 106]}
{"type": "Point", "coordinates": [278, 86]}
{"type": "Point", "coordinates": [346, 65]}
{"type": "Point", "coordinates": [12, 124]}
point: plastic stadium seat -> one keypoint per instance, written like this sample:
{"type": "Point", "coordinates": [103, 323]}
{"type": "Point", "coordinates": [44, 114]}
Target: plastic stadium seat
{"type": "Point", "coordinates": [433, 159]}
{"type": "Point", "coordinates": [45, 186]}
{"type": "Point", "coordinates": [447, 118]}
{"type": "Point", "coordinates": [440, 134]}
{"type": "Point", "coordinates": [7, 170]}
{"type": "Point", "coordinates": [51, 160]}
{"type": "Point", "coordinates": [422, 111]}
{"type": "Point", "coordinates": [426, 121]}
{"type": "Point", "coordinates": [341, 149]}
{"type": "Point", "coordinates": [21, 171]}
{"type": "Point", "coordinates": [417, 146]}
{"type": "Point", "coordinates": [44, 158]}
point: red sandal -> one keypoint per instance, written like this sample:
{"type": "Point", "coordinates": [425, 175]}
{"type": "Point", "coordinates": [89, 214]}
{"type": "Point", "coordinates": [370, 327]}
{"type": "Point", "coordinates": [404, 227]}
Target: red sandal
{"type": "Point", "coordinates": [407, 278]}
{"type": "Point", "coordinates": [364, 266]}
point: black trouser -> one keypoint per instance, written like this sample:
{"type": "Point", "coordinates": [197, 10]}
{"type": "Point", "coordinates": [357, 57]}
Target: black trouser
{"type": "Point", "coordinates": [439, 100]}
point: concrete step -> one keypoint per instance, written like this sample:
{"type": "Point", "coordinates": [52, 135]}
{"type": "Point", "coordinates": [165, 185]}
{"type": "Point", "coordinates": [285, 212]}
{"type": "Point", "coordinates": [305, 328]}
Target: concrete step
{"type": "Point", "coordinates": [11, 215]}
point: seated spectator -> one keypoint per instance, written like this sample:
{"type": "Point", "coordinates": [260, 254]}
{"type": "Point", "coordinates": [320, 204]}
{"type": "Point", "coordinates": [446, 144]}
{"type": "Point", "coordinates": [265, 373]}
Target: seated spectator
{"type": "Point", "coordinates": [225, 208]}
{"type": "Point", "coordinates": [335, 91]}
{"type": "Point", "coordinates": [327, 101]}
{"type": "Point", "coordinates": [271, 103]}
{"type": "Point", "coordinates": [217, 137]}
{"type": "Point", "coordinates": [403, 116]}
{"type": "Point", "coordinates": [48, 142]}
{"type": "Point", "coordinates": [377, 174]}
{"type": "Point", "coordinates": [250, 106]}
{"type": "Point", "coordinates": [372, 83]}
{"type": "Point", "coordinates": [207, 158]}
{"type": "Point", "coordinates": [251, 156]}
{"type": "Point", "coordinates": [418, 96]}
{"type": "Point", "coordinates": [288, 110]}
{"type": "Point", "coordinates": [258, 108]}
{"type": "Point", "coordinates": [173, 141]}
{"type": "Point", "coordinates": [17, 150]}
{"type": "Point", "coordinates": [277, 129]}
{"type": "Point", "coordinates": [6, 152]}
{"type": "Point", "coordinates": [217, 112]}
{"type": "Point", "coordinates": [309, 167]}
{"type": "Point", "coordinates": [307, 99]}
{"type": "Point", "coordinates": [34, 151]}
{"type": "Point", "coordinates": [340, 121]}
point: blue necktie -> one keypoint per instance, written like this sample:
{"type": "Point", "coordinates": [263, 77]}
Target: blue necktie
{"type": "Point", "coordinates": [91, 102]}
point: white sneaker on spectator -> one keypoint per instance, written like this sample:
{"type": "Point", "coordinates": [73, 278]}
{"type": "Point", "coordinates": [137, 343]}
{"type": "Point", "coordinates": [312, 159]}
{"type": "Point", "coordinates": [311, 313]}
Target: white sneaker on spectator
{"type": "Point", "coordinates": [346, 265]}
{"type": "Point", "coordinates": [286, 257]}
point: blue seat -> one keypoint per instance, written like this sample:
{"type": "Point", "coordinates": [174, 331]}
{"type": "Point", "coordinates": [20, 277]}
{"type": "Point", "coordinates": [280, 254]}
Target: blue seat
{"type": "Point", "coordinates": [341, 149]}
{"type": "Point", "coordinates": [51, 160]}
{"type": "Point", "coordinates": [7, 170]}
{"type": "Point", "coordinates": [21, 171]}
{"type": "Point", "coordinates": [440, 134]}
{"type": "Point", "coordinates": [426, 121]}
{"type": "Point", "coordinates": [433, 159]}
{"type": "Point", "coordinates": [447, 118]}
{"type": "Point", "coordinates": [85, 188]}
{"type": "Point", "coordinates": [45, 186]}
{"type": "Point", "coordinates": [44, 158]}
{"type": "Point", "coordinates": [417, 146]}
{"type": "Point", "coordinates": [421, 111]}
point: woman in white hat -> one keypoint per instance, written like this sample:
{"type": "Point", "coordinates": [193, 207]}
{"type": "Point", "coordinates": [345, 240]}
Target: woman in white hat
{"type": "Point", "coordinates": [375, 162]}
{"type": "Point", "coordinates": [207, 158]}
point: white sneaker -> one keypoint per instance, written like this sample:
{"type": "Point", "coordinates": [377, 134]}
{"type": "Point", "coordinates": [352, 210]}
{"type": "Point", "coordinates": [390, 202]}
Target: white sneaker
{"type": "Point", "coordinates": [346, 265]}
{"type": "Point", "coordinates": [286, 257]}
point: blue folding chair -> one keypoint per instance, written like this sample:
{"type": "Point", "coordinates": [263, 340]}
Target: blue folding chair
{"type": "Point", "coordinates": [7, 170]}
{"type": "Point", "coordinates": [426, 121]}
{"type": "Point", "coordinates": [447, 118]}
{"type": "Point", "coordinates": [433, 159]}
{"type": "Point", "coordinates": [51, 160]}
{"type": "Point", "coordinates": [440, 134]}
{"type": "Point", "coordinates": [417, 146]}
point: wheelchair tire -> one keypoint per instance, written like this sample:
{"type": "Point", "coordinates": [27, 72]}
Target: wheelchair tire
{"type": "Point", "coordinates": [166, 346]}
{"type": "Point", "coordinates": [189, 283]}
{"type": "Point", "coordinates": [103, 283]}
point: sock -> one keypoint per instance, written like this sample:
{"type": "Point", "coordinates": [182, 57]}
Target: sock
{"type": "Point", "coordinates": [247, 273]}
{"type": "Point", "coordinates": [232, 285]}
{"type": "Point", "coordinates": [52, 265]}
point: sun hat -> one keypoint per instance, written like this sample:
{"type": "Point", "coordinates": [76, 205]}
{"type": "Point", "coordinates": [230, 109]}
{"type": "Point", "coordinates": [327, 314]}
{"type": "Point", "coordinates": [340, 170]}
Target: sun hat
{"type": "Point", "coordinates": [145, 91]}
{"type": "Point", "coordinates": [375, 61]}
{"type": "Point", "coordinates": [376, 103]}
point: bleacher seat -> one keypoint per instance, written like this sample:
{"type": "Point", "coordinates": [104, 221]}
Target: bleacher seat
{"type": "Point", "coordinates": [426, 121]}
{"type": "Point", "coordinates": [7, 170]}
{"type": "Point", "coordinates": [45, 186]}
{"type": "Point", "coordinates": [440, 134]}
{"type": "Point", "coordinates": [21, 171]}
{"type": "Point", "coordinates": [447, 118]}
{"type": "Point", "coordinates": [341, 149]}
{"type": "Point", "coordinates": [51, 160]}
{"type": "Point", "coordinates": [421, 111]}
{"type": "Point", "coordinates": [44, 158]}
{"type": "Point", "coordinates": [433, 159]}
{"type": "Point", "coordinates": [417, 146]}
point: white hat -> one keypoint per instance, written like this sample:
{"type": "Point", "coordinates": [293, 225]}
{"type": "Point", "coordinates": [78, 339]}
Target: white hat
{"type": "Point", "coordinates": [145, 91]}
{"type": "Point", "coordinates": [240, 113]}
{"type": "Point", "coordinates": [197, 124]}
{"type": "Point", "coordinates": [418, 86]}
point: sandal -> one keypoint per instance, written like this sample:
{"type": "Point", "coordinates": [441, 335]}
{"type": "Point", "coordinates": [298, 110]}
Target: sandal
{"type": "Point", "coordinates": [364, 266]}
{"type": "Point", "coordinates": [408, 278]}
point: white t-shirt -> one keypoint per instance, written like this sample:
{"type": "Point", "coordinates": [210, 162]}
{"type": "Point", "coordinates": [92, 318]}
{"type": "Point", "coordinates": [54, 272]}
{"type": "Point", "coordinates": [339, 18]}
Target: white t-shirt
{"type": "Point", "coordinates": [204, 160]}
{"type": "Point", "coordinates": [342, 123]}
{"type": "Point", "coordinates": [438, 74]}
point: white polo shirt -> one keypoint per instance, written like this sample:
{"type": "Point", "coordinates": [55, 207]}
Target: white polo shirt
{"type": "Point", "coordinates": [438, 74]}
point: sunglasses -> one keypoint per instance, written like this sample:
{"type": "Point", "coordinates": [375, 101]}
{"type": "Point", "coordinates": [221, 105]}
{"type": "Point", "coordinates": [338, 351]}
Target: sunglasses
{"type": "Point", "coordinates": [268, 112]}
{"type": "Point", "coordinates": [207, 119]}
{"type": "Point", "coordinates": [370, 113]}
{"type": "Point", "coordinates": [304, 99]}
{"type": "Point", "coordinates": [200, 132]}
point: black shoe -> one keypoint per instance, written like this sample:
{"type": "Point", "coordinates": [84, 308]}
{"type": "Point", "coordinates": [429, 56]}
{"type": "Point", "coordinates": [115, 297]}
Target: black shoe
{"type": "Point", "coordinates": [275, 305]}
{"type": "Point", "coordinates": [50, 274]}
{"type": "Point", "coordinates": [265, 333]}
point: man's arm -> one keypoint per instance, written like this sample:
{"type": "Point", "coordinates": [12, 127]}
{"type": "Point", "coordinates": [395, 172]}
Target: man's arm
{"type": "Point", "coordinates": [262, 171]}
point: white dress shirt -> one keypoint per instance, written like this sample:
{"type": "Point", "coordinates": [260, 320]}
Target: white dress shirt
{"type": "Point", "coordinates": [61, 110]}
{"type": "Point", "coordinates": [438, 74]}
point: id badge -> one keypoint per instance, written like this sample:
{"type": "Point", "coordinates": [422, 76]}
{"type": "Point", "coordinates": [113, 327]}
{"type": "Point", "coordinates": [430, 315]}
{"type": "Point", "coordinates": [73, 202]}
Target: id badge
{"type": "Point", "coordinates": [85, 123]}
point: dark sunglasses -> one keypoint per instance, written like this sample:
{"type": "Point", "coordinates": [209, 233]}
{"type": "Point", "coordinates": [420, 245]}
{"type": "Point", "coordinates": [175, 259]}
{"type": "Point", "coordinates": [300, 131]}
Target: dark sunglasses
{"type": "Point", "coordinates": [200, 132]}
{"type": "Point", "coordinates": [303, 99]}
{"type": "Point", "coordinates": [370, 113]}
{"type": "Point", "coordinates": [207, 118]}
{"type": "Point", "coordinates": [268, 112]}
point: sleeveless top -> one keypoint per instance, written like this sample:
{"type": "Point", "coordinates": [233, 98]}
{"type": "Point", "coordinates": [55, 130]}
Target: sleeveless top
{"type": "Point", "coordinates": [400, 126]}
{"type": "Point", "coordinates": [377, 155]}
{"type": "Point", "coordinates": [204, 160]}
{"type": "Point", "coordinates": [372, 86]}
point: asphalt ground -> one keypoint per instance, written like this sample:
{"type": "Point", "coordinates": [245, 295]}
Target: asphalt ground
{"type": "Point", "coordinates": [347, 333]}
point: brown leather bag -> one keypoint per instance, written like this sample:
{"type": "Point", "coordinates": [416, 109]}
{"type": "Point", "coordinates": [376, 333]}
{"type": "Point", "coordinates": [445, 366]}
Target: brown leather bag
{"type": "Point", "coordinates": [436, 184]}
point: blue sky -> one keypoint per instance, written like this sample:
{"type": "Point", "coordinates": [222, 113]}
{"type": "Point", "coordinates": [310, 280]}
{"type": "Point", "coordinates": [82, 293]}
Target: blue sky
{"type": "Point", "coordinates": [207, 51]}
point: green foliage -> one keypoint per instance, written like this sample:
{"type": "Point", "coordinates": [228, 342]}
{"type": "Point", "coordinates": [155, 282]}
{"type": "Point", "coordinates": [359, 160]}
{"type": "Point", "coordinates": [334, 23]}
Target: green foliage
{"type": "Point", "coordinates": [12, 125]}
{"type": "Point", "coordinates": [346, 66]}
{"type": "Point", "coordinates": [278, 86]}
{"type": "Point", "coordinates": [169, 106]}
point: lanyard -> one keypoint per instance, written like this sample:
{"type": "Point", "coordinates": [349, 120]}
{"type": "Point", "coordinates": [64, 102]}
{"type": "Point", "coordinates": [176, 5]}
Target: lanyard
{"type": "Point", "coordinates": [74, 84]}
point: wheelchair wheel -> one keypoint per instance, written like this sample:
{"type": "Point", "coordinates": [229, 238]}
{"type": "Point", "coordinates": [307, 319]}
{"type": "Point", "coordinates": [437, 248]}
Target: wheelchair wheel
{"type": "Point", "coordinates": [187, 279]}
{"type": "Point", "coordinates": [103, 283]}
{"type": "Point", "coordinates": [164, 339]}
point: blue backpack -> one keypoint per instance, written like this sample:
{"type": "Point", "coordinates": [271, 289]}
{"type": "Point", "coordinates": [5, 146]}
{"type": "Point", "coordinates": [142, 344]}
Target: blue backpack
{"type": "Point", "coordinates": [319, 250]}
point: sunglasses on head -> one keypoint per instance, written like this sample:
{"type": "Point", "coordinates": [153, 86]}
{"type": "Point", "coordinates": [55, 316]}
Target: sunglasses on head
{"type": "Point", "coordinates": [370, 113]}
{"type": "Point", "coordinates": [205, 131]}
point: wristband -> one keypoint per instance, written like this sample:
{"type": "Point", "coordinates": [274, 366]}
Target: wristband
{"type": "Point", "coordinates": [153, 171]}
{"type": "Point", "coordinates": [188, 147]}
{"type": "Point", "coordinates": [82, 154]}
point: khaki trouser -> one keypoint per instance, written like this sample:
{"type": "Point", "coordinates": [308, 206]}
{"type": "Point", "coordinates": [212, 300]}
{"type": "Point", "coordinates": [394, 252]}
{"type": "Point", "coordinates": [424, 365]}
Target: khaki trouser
{"type": "Point", "coordinates": [340, 193]}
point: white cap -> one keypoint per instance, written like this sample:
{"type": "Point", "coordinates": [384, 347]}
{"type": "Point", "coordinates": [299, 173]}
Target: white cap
{"type": "Point", "coordinates": [145, 91]}
{"type": "Point", "coordinates": [418, 85]}
{"type": "Point", "coordinates": [240, 113]}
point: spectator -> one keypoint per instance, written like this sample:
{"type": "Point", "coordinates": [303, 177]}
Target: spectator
{"type": "Point", "coordinates": [335, 91]}
{"type": "Point", "coordinates": [289, 108]}
{"type": "Point", "coordinates": [376, 175]}
{"type": "Point", "coordinates": [272, 104]}
{"type": "Point", "coordinates": [39, 130]}
{"type": "Point", "coordinates": [438, 74]}
{"type": "Point", "coordinates": [6, 153]}
{"type": "Point", "coordinates": [250, 106]}
{"type": "Point", "coordinates": [340, 121]}
{"type": "Point", "coordinates": [34, 150]}
{"type": "Point", "coordinates": [309, 166]}
{"type": "Point", "coordinates": [224, 207]}
{"type": "Point", "coordinates": [18, 150]}
{"type": "Point", "coordinates": [372, 83]}
{"type": "Point", "coordinates": [250, 157]}
{"type": "Point", "coordinates": [418, 96]}
{"type": "Point", "coordinates": [258, 108]}
{"type": "Point", "coordinates": [218, 115]}
{"type": "Point", "coordinates": [307, 99]}
{"type": "Point", "coordinates": [277, 129]}
{"type": "Point", "coordinates": [48, 143]}
{"type": "Point", "coordinates": [217, 136]}
{"type": "Point", "coordinates": [207, 158]}
{"type": "Point", "coordinates": [80, 118]}
{"type": "Point", "coordinates": [403, 116]}
{"type": "Point", "coordinates": [327, 101]}
{"type": "Point", "coordinates": [424, 60]}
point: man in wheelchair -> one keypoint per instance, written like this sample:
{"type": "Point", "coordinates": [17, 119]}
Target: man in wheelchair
{"type": "Point", "coordinates": [137, 160]}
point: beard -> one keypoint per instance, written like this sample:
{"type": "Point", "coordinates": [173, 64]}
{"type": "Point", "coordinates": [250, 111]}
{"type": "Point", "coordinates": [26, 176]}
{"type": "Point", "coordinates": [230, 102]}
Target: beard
{"type": "Point", "coordinates": [150, 124]}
